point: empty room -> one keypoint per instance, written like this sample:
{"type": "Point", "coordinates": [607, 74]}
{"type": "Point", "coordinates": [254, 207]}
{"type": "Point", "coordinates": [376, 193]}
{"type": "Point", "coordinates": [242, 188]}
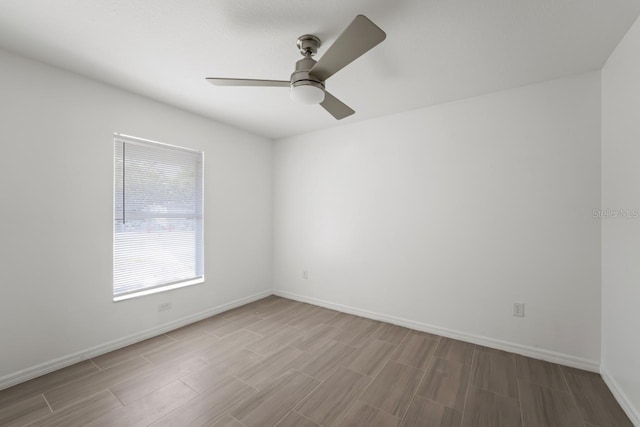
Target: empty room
{"type": "Point", "coordinates": [245, 213]}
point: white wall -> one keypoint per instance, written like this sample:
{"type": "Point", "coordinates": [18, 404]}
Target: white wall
{"type": "Point", "coordinates": [445, 216]}
{"type": "Point", "coordinates": [56, 183]}
{"type": "Point", "coordinates": [621, 236]}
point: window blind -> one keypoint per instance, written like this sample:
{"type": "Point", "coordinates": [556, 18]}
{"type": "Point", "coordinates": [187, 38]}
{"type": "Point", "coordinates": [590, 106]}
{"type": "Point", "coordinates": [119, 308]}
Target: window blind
{"type": "Point", "coordinates": [158, 215]}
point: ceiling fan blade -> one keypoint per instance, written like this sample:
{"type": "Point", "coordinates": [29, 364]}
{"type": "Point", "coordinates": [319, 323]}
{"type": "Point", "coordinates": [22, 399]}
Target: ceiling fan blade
{"type": "Point", "coordinates": [246, 82]}
{"type": "Point", "coordinates": [358, 38]}
{"type": "Point", "coordinates": [335, 107]}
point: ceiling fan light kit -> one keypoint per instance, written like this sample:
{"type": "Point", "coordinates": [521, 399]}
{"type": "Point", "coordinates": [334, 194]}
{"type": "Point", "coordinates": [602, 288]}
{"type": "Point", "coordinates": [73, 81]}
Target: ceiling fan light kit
{"type": "Point", "coordinates": [305, 88]}
{"type": "Point", "coordinates": [309, 93]}
{"type": "Point", "coordinates": [307, 82]}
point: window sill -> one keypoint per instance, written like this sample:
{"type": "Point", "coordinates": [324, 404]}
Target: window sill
{"type": "Point", "coordinates": [159, 289]}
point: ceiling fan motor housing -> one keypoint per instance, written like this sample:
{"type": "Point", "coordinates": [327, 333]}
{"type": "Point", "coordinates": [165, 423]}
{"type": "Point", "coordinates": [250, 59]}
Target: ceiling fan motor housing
{"type": "Point", "coordinates": [302, 77]}
{"type": "Point", "coordinates": [308, 45]}
{"type": "Point", "coordinates": [305, 88]}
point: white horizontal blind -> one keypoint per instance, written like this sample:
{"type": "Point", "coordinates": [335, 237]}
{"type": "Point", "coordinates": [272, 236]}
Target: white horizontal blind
{"type": "Point", "coordinates": [157, 215]}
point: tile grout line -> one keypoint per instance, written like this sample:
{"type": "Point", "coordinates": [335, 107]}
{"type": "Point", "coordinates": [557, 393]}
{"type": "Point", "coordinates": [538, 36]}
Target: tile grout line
{"type": "Point", "coordinates": [519, 403]}
{"type": "Point", "coordinates": [495, 392]}
{"type": "Point", "coordinates": [96, 365]}
{"type": "Point", "coordinates": [408, 366]}
{"type": "Point", "coordinates": [237, 420]}
{"type": "Point", "coordinates": [40, 419]}
{"type": "Point", "coordinates": [81, 399]}
{"type": "Point", "coordinates": [132, 357]}
{"type": "Point", "coordinates": [573, 398]}
{"type": "Point", "coordinates": [398, 349]}
{"type": "Point", "coordinates": [47, 402]}
{"type": "Point", "coordinates": [356, 398]}
{"type": "Point", "coordinates": [374, 378]}
{"type": "Point", "coordinates": [187, 385]}
{"type": "Point", "coordinates": [303, 416]}
{"type": "Point", "coordinates": [546, 387]}
{"type": "Point", "coordinates": [170, 337]}
{"type": "Point", "coordinates": [466, 395]}
{"type": "Point", "coordinates": [150, 362]}
{"type": "Point", "coordinates": [415, 393]}
{"type": "Point", "coordinates": [302, 399]}
{"type": "Point", "coordinates": [116, 397]}
{"type": "Point", "coordinates": [246, 383]}
{"type": "Point", "coordinates": [203, 360]}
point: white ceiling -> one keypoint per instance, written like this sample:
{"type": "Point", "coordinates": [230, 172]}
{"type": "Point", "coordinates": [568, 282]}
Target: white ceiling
{"type": "Point", "coordinates": [436, 50]}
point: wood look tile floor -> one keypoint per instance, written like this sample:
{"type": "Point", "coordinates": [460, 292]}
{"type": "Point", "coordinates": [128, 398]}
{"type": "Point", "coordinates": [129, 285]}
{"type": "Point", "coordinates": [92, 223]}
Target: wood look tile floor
{"type": "Point", "coordinates": [277, 362]}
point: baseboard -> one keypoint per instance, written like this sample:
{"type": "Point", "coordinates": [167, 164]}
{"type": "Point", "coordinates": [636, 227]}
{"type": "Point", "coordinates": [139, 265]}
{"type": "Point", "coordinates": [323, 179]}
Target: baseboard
{"type": "Point", "coordinates": [62, 362]}
{"type": "Point", "coordinates": [620, 396]}
{"type": "Point", "coordinates": [536, 353]}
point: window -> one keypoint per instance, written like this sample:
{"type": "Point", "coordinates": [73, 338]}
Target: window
{"type": "Point", "coordinates": [157, 233]}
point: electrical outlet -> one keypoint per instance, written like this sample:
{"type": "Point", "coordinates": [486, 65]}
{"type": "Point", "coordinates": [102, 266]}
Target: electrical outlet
{"type": "Point", "coordinates": [518, 309]}
{"type": "Point", "coordinates": [305, 275]}
{"type": "Point", "coordinates": [164, 306]}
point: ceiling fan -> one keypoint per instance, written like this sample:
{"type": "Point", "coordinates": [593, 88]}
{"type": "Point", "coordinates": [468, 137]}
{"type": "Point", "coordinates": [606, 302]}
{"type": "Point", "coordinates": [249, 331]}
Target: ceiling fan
{"type": "Point", "coordinates": [307, 82]}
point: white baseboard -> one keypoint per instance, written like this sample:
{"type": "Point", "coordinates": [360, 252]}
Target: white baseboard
{"type": "Point", "coordinates": [536, 353]}
{"type": "Point", "coordinates": [620, 396]}
{"type": "Point", "coordinates": [563, 359]}
{"type": "Point", "coordinates": [64, 361]}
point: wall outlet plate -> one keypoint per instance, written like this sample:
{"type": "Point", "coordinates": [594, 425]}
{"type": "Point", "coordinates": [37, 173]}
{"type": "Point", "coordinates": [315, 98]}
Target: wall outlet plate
{"type": "Point", "coordinates": [518, 309]}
